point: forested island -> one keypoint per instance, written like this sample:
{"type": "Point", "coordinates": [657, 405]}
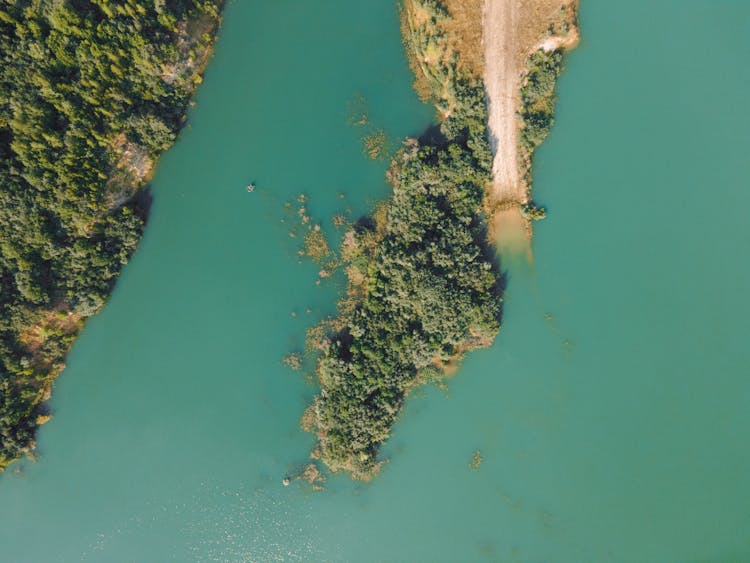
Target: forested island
{"type": "Point", "coordinates": [423, 282]}
{"type": "Point", "coordinates": [91, 92]}
{"type": "Point", "coordinates": [424, 285]}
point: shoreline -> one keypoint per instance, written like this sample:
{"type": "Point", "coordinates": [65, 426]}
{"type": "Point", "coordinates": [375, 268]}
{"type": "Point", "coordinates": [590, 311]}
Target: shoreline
{"type": "Point", "coordinates": [42, 342]}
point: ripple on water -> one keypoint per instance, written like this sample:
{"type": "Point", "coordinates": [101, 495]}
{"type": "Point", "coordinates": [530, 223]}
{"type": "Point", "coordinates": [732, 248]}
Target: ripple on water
{"type": "Point", "coordinates": [220, 524]}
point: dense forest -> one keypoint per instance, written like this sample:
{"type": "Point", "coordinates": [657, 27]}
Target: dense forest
{"type": "Point", "coordinates": [423, 283]}
{"type": "Point", "coordinates": [91, 92]}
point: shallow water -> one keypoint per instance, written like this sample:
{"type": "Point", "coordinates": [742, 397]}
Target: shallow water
{"type": "Point", "coordinates": [612, 411]}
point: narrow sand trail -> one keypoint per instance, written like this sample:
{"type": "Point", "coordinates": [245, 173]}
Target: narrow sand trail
{"type": "Point", "coordinates": [502, 81]}
{"type": "Point", "coordinates": [512, 30]}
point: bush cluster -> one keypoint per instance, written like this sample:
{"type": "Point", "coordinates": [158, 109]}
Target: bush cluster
{"type": "Point", "coordinates": [538, 97]}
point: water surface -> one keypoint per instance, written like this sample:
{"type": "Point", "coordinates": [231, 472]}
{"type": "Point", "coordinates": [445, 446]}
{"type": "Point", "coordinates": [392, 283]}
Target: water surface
{"type": "Point", "coordinates": [612, 411]}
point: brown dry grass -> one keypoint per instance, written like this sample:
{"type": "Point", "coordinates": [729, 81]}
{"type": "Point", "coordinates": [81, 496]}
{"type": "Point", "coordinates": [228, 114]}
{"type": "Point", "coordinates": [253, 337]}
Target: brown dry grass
{"type": "Point", "coordinates": [412, 16]}
{"type": "Point", "coordinates": [456, 37]}
{"type": "Point", "coordinates": [540, 19]}
{"type": "Point", "coordinates": [465, 27]}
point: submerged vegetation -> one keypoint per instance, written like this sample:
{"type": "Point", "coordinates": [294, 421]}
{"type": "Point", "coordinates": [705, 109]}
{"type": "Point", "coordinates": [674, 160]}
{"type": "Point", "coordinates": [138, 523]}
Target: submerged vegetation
{"type": "Point", "coordinates": [423, 286]}
{"type": "Point", "coordinates": [91, 92]}
{"type": "Point", "coordinates": [375, 144]}
{"type": "Point", "coordinates": [293, 360]}
{"type": "Point", "coordinates": [358, 112]}
{"type": "Point", "coordinates": [476, 460]}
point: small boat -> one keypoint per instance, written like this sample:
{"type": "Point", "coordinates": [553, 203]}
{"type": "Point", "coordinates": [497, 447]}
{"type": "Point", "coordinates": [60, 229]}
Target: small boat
{"type": "Point", "coordinates": [250, 187]}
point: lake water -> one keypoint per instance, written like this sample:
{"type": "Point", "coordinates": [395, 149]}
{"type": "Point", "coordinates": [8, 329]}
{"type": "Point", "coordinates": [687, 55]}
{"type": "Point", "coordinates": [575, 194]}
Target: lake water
{"type": "Point", "coordinates": [612, 412]}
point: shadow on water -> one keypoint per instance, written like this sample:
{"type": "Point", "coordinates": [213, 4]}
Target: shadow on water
{"type": "Point", "coordinates": [489, 255]}
{"type": "Point", "coordinates": [433, 136]}
{"type": "Point", "coordinates": [143, 201]}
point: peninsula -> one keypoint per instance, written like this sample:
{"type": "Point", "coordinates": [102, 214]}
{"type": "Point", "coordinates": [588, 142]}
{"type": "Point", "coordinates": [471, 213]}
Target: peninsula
{"type": "Point", "coordinates": [424, 285]}
{"type": "Point", "coordinates": [523, 42]}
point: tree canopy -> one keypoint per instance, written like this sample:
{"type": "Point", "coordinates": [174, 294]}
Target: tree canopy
{"type": "Point", "coordinates": [91, 92]}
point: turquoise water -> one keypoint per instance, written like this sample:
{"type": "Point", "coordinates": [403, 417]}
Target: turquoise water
{"type": "Point", "coordinates": [612, 411]}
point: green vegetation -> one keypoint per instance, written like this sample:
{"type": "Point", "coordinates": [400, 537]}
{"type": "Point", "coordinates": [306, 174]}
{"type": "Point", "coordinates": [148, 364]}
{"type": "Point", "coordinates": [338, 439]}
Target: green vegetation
{"type": "Point", "coordinates": [432, 45]}
{"type": "Point", "coordinates": [423, 284]}
{"type": "Point", "coordinates": [538, 101]}
{"type": "Point", "coordinates": [91, 92]}
{"type": "Point", "coordinates": [531, 211]}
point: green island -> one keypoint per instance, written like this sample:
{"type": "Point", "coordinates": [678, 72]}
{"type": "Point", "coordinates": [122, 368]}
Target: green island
{"type": "Point", "coordinates": [423, 282]}
{"type": "Point", "coordinates": [91, 92]}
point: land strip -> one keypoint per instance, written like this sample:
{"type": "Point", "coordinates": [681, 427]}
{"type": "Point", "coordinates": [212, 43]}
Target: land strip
{"type": "Point", "coordinates": [513, 30]}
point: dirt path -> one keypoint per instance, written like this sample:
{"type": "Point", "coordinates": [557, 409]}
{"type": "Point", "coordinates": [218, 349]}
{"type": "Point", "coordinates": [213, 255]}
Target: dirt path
{"type": "Point", "coordinates": [512, 30]}
{"type": "Point", "coordinates": [501, 78]}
